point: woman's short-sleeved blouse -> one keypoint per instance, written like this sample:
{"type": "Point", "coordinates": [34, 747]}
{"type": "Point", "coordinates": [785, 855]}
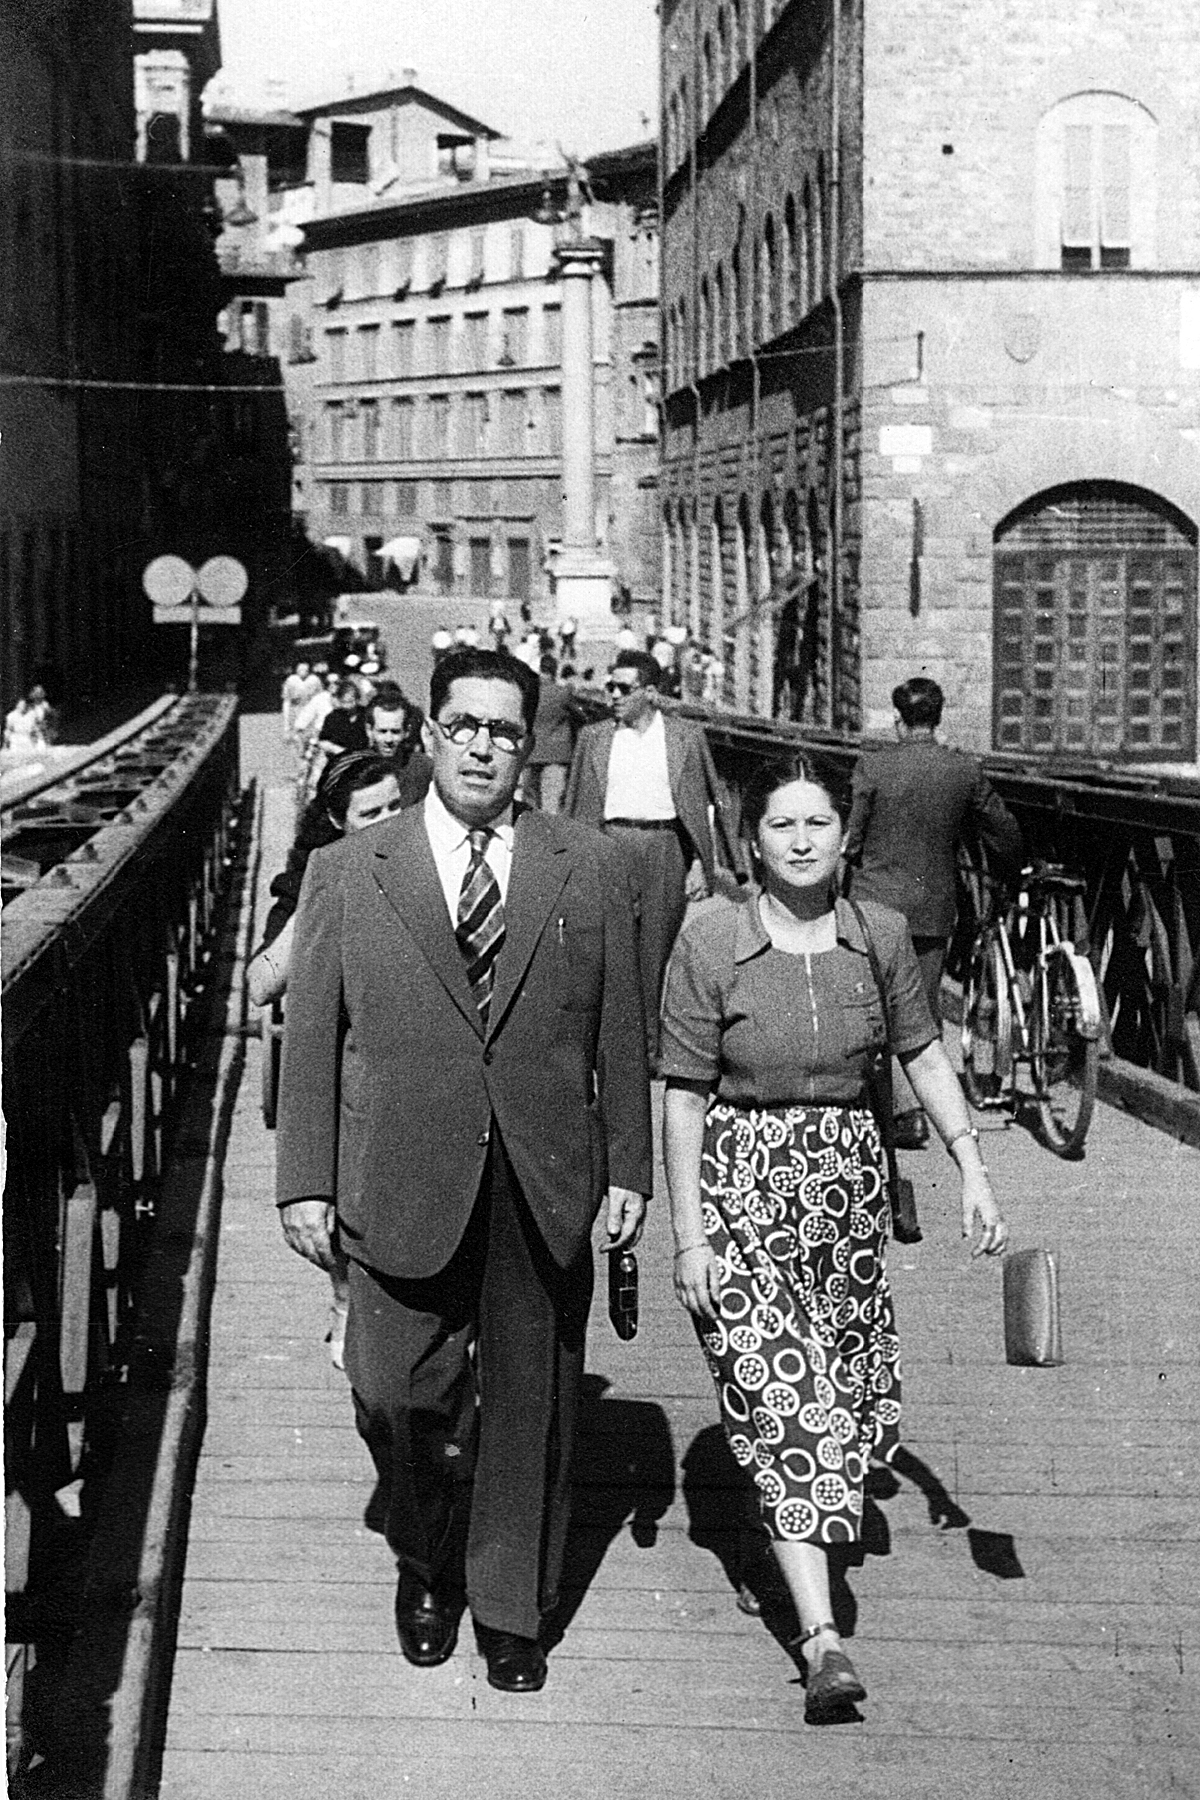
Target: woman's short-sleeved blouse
{"type": "Point", "coordinates": [766, 1027]}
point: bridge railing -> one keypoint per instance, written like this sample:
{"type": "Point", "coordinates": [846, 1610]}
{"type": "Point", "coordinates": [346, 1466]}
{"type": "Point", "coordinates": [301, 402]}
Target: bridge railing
{"type": "Point", "coordinates": [120, 873]}
{"type": "Point", "coordinates": [1134, 836]}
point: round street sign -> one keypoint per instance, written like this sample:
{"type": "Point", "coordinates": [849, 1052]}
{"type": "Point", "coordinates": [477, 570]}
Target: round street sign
{"type": "Point", "coordinates": [168, 580]}
{"type": "Point", "coordinates": [222, 580]}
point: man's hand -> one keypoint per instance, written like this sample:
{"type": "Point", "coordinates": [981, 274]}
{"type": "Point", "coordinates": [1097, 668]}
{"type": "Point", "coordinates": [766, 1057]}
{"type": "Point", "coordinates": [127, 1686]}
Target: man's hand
{"type": "Point", "coordinates": [626, 1216]}
{"type": "Point", "coordinates": [308, 1228]}
{"type": "Point", "coordinates": [695, 885]}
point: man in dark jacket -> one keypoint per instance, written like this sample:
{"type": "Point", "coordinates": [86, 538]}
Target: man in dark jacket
{"type": "Point", "coordinates": [913, 802]}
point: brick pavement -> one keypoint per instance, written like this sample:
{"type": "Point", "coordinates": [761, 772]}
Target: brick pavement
{"type": "Point", "coordinates": [1024, 1613]}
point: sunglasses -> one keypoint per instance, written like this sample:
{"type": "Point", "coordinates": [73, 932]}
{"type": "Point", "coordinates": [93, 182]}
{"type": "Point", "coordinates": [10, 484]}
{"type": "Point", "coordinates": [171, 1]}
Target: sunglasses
{"type": "Point", "coordinates": [623, 687]}
{"type": "Point", "coordinates": [464, 728]}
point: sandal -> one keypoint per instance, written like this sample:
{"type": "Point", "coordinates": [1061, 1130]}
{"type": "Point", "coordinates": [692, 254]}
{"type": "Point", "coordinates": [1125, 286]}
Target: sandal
{"type": "Point", "coordinates": [833, 1685]}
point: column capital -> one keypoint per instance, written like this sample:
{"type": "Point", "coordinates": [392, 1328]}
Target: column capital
{"type": "Point", "coordinates": [579, 256]}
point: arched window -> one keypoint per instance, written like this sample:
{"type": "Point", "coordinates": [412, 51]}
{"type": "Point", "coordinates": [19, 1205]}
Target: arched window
{"type": "Point", "coordinates": [787, 264]}
{"type": "Point", "coordinates": [685, 346]}
{"type": "Point", "coordinates": [673, 132]}
{"type": "Point", "coordinates": [1096, 181]}
{"type": "Point", "coordinates": [737, 662]}
{"type": "Point", "coordinates": [693, 593]}
{"type": "Point", "coordinates": [808, 249]}
{"type": "Point", "coordinates": [720, 348]}
{"type": "Point", "coordinates": [704, 339]}
{"type": "Point", "coordinates": [707, 80]}
{"type": "Point", "coordinates": [821, 273]}
{"type": "Point", "coordinates": [668, 558]}
{"type": "Point", "coordinates": [1094, 595]}
{"type": "Point", "coordinates": [735, 304]}
{"type": "Point", "coordinates": [766, 277]}
{"type": "Point", "coordinates": [737, 44]}
{"type": "Point", "coordinates": [751, 297]}
{"type": "Point", "coordinates": [762, 637]}
{"type": "Point", "coordinates": [685, 121]}
{"type": "Point", "coordinates": [723, 75]}
{"type": "Point", "coordinates": [716, 583]}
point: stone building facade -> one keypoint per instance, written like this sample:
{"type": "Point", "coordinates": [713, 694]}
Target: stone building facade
{"type": "Point", "coordinates": [430, 416]}
{"type": "Point", "coordinates": [931, 304]}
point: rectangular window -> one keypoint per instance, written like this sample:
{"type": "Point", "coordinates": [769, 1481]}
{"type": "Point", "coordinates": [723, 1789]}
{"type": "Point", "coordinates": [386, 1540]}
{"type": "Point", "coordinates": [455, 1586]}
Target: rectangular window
{"type": "Point", "coordinates": [456, 156]}
{"type": "Point", "coordinates": [339, 496]}
{"type": "Point", "coordinates": [350, 152]}
{"type": "Point", "coordinates": [514, 337]}
{"type": "Point", "coordinates": [552, 335]}
{"type": "Point", "coordinates": [403, 334]}
{"type": "Point", "coordinates": [437, 425]}
{"type": "Point", "coordinates": [437, 252]}
{"type": "Point", "coordinates": [516, 253]}
{"type": "Point", "coordinates": [1114, 197]}
{"type": "Point", "coordinates": [1095, 197]}
{"type": "Point", "coordinates": [475, 341]}
{"type": "Point", "coordinates": [370, 430]}
{"type": "Point", "coordinates": [441, 499]}
{"type": "Point", "coordinates": [403, 266]}
{"type": "Point", "coordinates": [402, 430]}
{"type": "Point", "coordinates": [335, 430]}
{"type": "Point", "coordinates": [372, 497]}
{"type": "Point", "coordinates": [513, 412]}
{"type": "Point", "coordinates": [299, 340]}
{"type": "Point", "coordinates": [473, 425]}
{"type": "Point", "coordinates": [368, 270]}
{"type": "Point", "coordinates": [368, 352]}
{"type": "Point", "coordinates": [552, 421]}
{"type": "Point", "coordinates": [437, 346]}
{"type": "Point", "coordinates": [331, 272]}
{"type": "Point", "coordinates": [476, 268]}
{"type": "Point", "coordinates": [406, 499]}
{"type": "Point", "coordinates": [335, 342]}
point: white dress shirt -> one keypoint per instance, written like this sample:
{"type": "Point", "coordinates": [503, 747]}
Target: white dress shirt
{"type": "Point", "coordinates": [450, 841]}
{"type": "Point", "coordinates": [639, 785]}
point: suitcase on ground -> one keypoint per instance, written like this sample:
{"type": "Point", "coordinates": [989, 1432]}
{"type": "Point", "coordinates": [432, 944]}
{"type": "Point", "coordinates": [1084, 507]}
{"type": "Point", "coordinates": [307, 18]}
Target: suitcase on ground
{"type": "Point", "coordinates": [1032, 1335]}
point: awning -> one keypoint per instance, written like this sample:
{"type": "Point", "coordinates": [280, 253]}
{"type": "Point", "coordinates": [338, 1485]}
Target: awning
{"type": "Point", "coordinates": [404, 552]}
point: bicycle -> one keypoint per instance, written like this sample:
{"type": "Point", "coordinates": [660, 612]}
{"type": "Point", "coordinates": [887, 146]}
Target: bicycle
{"type": "Point", "coordinates": [1030, 1001]}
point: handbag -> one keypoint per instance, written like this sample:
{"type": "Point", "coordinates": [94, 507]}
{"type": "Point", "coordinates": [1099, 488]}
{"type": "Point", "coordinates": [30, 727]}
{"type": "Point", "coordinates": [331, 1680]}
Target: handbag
{"type": "Point", "coordinates": [906, 1227]}
{"type": "Point", "coordinates": [1032, 1336]}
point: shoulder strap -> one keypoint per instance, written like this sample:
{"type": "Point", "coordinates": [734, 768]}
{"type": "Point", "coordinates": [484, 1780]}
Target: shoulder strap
{"type": "Point", "coordinates": [881, 1083]}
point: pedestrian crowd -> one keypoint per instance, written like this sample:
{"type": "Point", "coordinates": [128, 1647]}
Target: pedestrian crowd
{"type": "Point", "coordinates": [497, 925]}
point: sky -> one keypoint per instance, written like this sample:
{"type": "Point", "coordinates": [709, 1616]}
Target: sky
{"type": "Point", "coordinates": [555, 71]}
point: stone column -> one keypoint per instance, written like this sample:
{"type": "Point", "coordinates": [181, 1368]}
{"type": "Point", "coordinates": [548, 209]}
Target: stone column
{"type": "Point", "coordinates": [583, 578]}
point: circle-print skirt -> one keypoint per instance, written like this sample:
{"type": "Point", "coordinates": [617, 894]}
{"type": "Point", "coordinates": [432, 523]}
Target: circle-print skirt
{"type": "Point", "coordinates": [804, 1354]}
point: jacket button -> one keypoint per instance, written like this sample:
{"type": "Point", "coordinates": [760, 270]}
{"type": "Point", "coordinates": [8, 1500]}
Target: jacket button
{"type": "Point", "coordinates": [482, 1140]}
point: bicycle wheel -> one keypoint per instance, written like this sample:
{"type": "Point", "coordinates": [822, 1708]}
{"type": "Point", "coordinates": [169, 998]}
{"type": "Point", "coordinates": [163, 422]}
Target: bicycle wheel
{"type": "Point", "coordinates": [1064, 1050]}
{"type": "Point", "coordinates": [986, 1024]}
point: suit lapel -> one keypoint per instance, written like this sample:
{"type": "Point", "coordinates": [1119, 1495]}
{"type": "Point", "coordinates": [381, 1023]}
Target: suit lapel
{"type": "Point", "coordinates": [676, 752]}
{"type": "Point", "coordinates": [407, 875]}
{"type": "Point", "coordinates": [540, 868]}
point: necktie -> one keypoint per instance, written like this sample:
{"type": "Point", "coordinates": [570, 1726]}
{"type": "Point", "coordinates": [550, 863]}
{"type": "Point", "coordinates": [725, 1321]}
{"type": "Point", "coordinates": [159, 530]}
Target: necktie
{"type": "Point", "coordinates": [480, 927]}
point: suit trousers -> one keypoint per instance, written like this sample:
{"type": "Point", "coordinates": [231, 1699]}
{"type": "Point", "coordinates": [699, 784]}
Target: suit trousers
{"type": "Point", "coordinates": [657, 860]}
{"type": "Point", "coordinates": [466, 1391]}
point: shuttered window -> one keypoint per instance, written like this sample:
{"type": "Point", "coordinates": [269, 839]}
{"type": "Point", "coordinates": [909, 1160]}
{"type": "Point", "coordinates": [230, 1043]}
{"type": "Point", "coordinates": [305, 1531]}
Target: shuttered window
{"type": "Point", "coordinates": [1095, 628]}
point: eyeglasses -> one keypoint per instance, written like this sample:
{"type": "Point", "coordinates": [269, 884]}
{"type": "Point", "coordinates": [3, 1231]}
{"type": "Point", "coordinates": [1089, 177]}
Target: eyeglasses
{"type": "Point", "coordinates": [623, 687]}
{"type": "Point", "coordinates": [463, 728]}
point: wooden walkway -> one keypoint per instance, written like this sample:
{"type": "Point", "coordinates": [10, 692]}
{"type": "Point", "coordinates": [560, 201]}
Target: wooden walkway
{"type": "Point", "coordinates": [1025, 1611]}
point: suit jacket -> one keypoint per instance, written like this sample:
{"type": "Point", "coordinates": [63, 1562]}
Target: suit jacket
{"type": "Point", "coordinates": [554, 726]}
{"type": "Point", "coordinates": [389, 1081]}
{"type": "Point", "coordinates": [913, 801]}
{"type": "Point", "coordinates": [695, 786]}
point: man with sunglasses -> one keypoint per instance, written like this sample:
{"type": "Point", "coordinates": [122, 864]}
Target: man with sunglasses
{"type": "Point", "coordinates": [647, 779]}
{"type": "Point", "coordinates": [464, 1066]}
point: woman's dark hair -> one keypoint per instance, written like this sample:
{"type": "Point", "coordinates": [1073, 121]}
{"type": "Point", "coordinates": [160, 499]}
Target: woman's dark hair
{"type": "Point", "coordinates": [484, 665]}
{"type": "Point", "coordinates": [801, 765]}
{"type": "Point", "coordinates": [346, 775]}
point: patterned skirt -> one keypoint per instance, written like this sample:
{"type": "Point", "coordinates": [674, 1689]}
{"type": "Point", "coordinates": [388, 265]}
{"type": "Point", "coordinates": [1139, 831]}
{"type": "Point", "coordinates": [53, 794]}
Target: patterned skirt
{"type": "Point", "coordinates": [804, 1354]}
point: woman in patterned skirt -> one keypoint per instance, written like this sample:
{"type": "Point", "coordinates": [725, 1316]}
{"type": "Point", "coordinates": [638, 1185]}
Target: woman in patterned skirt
{"type": "Point", "coordinates": [777, 1180]}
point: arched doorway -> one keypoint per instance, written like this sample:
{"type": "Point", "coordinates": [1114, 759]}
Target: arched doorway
{"type": "Point", "coordinates": [1094, 597]}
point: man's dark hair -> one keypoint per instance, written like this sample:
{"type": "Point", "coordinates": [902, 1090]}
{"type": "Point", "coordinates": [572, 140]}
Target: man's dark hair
{"type": "Point", "coordinates": [469, 664]}
{"type": "Point", "coordinates": [549, 666]}
{"type": "Point", "coordinates": [389, 696]}
{"type": "Point", "coordinates": [348, 687]}
{"type": "Point", "coordinates": [648, 671]}
{"type": "Point", "coordinates": [919, 702]}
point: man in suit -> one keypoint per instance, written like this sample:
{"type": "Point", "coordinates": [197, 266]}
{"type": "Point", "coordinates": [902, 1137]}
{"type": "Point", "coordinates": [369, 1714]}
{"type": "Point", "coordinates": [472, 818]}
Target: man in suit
{"type": "Point", "coordinates": [464, 1069]}
{"type": "Point", "coordinates": [913, 802]}
{"type": "Point", "coordinates": [647, 780]}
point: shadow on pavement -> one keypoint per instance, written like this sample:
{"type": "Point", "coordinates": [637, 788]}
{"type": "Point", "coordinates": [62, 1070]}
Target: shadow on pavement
{"type": "Point", "coordinates": [624, 1475]}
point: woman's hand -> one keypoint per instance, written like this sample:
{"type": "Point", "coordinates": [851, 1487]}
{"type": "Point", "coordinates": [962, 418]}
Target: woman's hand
{"type": "Point", "coordinates": [698, 1282]}
{"type": "Point", "coordinates": [979, 1208]}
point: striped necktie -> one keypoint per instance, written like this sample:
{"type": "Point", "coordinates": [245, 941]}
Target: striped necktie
{"type": "Point", "coordinates": [480, 927]}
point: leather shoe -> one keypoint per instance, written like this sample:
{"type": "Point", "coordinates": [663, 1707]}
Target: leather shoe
{"type": "Point", "coordinates": [516, 1665]}
{"type": "Point", "coordinates": [426, 1623]}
